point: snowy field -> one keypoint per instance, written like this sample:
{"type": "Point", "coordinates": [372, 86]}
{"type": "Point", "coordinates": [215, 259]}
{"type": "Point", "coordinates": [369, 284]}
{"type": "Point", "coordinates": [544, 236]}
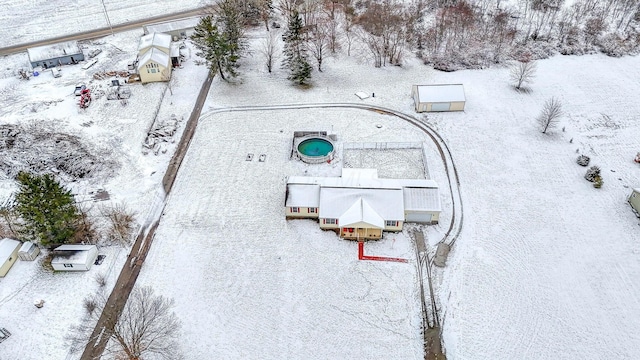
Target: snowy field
{"type": "Point", "coordinates": [25, 21]}
{"type": "Point", "coordinates": [112, 132]}
{"type": "Point", "coordinates": [545, 267]}
{"type": "Point", "coordinates": [264, 286]}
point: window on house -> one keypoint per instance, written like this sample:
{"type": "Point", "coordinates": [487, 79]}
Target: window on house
{"type": "Point", "coordinates": [312, 210]}
{"type": "Point", "coordinates": [331, 221]}
{"type": "Point", "coordinates": [391, 223]}
{"type": "Point", "coordinates": [295, 209]}
{"type": "Point", "coordinates": [68, 265]}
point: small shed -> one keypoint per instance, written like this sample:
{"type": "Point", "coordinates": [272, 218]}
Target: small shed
{"type": "Point", "coordinates": [177, 29]}
{"type": "Point", "coordinates": [422, 205]}
{"type": "Point", "coordinates": [634, 200]}
{"type": "Point", "coordinates": [438, 97]}
{"type": "Point", "coordinates": [8, 254]}
{"type": "Point", "coordinates": [154, 66]}
{"type": "Point", "coordinates": [74, 257]}
{"type": "Point", "coordinates": [29, 251]}
{"type": "Point", "coordinates": [48, 56]}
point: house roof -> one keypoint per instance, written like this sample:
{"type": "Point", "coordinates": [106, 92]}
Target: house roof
{"type": "Point", "coordinates": [154, 40]}
{"type": "Point", "coordinates": [440, 93]}
{"type": "Point", "coordinates": [53, 51]}
{"type": "Point", "coordinates": [361, 212]}
{"type": "Point", "coordinates": [7, 247]}
{"type": "Point", "coordinates": [164, 27]}
{"type": "Point", "coordinates": [303, 195]}
{"type": "Point", "coordinates": [387, 203]}
{"type": "Point", "coordinates": [421, 199]}
{"type": "Point", "coordinates": [156, 56]}
{"type": "Point", "coordinates": [72, 254]}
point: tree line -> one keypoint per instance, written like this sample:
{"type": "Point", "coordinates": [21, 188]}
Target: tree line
{"type": "Point", "coordinates": [447, 34]}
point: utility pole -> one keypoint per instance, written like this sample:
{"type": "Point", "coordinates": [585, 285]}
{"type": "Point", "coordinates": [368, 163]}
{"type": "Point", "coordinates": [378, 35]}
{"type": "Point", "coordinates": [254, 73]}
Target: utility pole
{"type": "Point", "coordinates": [106, 15]}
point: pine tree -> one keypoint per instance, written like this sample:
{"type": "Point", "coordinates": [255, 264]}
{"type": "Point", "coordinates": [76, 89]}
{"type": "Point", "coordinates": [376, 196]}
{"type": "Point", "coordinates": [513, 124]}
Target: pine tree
{"type": "Point", "coordinates": [48, 212]}
{"type": "Point", "coordinates": [295, 55]}
{"type": "Point", "coordinates": [221, 39]}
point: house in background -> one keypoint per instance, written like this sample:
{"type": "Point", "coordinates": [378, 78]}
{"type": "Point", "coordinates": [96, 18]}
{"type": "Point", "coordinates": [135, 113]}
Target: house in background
{"type": "Point", "coordinates": [358, 205]}
{"type": "Point", "coordinates": [439, 97]}
{"type": "Point", "coordinates": [178, 29]}
{"type": "Point", "coordinates": [74, 257]}
{"type": "Point", "coordinates": [48, 56]}
{"type": "Point", "coordinates": [8, 254]}
{"type": "Point", "coordinates": [634, 200]}
{"type": "Point", "coordinates": [154, 61]}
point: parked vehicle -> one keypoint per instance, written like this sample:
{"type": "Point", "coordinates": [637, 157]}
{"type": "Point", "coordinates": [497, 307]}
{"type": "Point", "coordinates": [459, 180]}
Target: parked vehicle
{"type": "Point", "coordinates": [79, 88]}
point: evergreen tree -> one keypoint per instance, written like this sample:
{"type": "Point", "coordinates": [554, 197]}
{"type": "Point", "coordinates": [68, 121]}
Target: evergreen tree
{"type": "Point", "coordinates": [220, 39]}
{"type": "Point", "coordinates": [48, 212]}
{"type": "Point", "coordinates": [295, 55]}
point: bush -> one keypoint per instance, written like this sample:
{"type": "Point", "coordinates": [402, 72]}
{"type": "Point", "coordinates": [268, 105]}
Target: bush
{"type": "Point", "coordinates": [583, 160]}
{"type": "Point", "coordinates": [597, 183]}
{"type": "Point", "coordinates": [90, 304]}
{"type": "Point", "coordinates": [592, 173]}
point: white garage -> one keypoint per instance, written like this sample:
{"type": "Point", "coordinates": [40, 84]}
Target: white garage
{"type": "Point", "coordinates": [438, 97]}
{"type": "Point", "coordinates": [74, 257]}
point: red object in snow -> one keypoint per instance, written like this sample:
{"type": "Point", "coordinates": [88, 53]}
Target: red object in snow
{"type": "Point", "coordinates": [85, 98]}
{"type": "Point", "coordinates": [362, 256]}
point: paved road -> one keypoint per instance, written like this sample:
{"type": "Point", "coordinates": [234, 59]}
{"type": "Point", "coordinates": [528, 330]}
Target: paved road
{"type": "Point", "coordinates": [92, 34]}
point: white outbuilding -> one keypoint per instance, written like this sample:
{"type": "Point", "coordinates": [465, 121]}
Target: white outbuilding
{"type": "Point", "coordinates": [8, 254]}
{"type": "Point", "coordinates": [634, 200]}
{"type": "Point", "coordinates": [438, 97]}
{"type": "Point", "coordinates": [74, 257]}
{"type": "Point", "coordinates": [28, 251]}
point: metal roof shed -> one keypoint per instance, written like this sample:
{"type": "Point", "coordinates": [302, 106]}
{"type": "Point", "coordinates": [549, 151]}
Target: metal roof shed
{"type": "Point", "coordinates": [74, 257]}
{"type": "Point", "coordinates": [29, 251]}
{"type": "Point", "coordinates": [55, 54]}
{"type": "Point", "coordinates": [438, 97]}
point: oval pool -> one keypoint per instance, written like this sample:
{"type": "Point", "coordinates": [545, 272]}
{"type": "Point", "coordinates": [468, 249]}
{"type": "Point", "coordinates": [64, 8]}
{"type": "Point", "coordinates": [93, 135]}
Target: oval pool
{"type": "Point", "coordinates": [315, 150]}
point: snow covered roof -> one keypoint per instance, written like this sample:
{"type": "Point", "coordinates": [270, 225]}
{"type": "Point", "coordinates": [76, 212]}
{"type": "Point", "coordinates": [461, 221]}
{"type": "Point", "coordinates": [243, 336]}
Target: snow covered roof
{"type": "Point", "coordinates": [362, 182]}
{"type": "Point", "coordinates": [440, 93]}
{"type": "Point", "coordinates": [156, 56]}
{"type": "Point", "coordinates": [26, 247]}
{"type": "Point", "coordinates": [72, 254]}
{"type": "Point", "coordinates": [7, 247]}
{"type": "Point", "coordinates": [53, 51]}
{"type": "Point", "coordinates": [387, 203]}
{"type": "Point", "coordinates": [155, 40]}
{"type": "Point", "coordinates": [303, 195]}
{"type": "Point", "coordinates": [174, 50]}
{"type": "Point", "coordinates": [360, 173]}
{"type": "Point", "coordinates": [164, 27]}
{"type": "Point", "coordinates": [421, 199]}
{"type": "Point", "coordinates": [361, 212]}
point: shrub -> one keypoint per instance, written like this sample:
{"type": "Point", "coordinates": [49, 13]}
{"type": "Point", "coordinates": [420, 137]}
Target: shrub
{"type": "Point", "coordinates": [597, 183]}
{"type": "Point", "coordinates": [583, 160]}
{"type": "Point", "coordinates": [592, 173]}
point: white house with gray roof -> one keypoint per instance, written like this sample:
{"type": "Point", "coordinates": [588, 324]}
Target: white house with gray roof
{"type": "Point", "coordinates": [359, 205]}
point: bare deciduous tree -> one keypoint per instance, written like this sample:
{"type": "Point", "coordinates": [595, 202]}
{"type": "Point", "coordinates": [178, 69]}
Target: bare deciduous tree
{"type": "Point", "coordinates": [523, 72]}
{"type": "Point", "coordinates": [318, 41]}
{"type": "Point", "coordinates": [270, 49]}
{"type": "Point", "coordinates": [121, 221]}
{"type": "Point", "coordinates": [147, 327]}
{"type": "Point", "coordinates": [550, 115]}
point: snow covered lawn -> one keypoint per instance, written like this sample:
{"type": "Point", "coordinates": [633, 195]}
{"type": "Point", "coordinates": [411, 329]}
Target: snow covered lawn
{"type": "Point", "coordinates": [262, 286]}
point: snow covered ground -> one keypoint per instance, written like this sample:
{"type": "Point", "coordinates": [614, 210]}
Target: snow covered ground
{"type": "Point", "coordinates": [112, 132]}
{"type": "Point", "coordinates": [544, 268]}
{"type": "Point", "coordinates": [25, 21]}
